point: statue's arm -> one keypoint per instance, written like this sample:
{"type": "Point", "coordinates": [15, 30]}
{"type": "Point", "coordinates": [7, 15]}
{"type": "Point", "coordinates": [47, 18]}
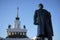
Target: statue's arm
{"type": "Point", "coordinates": [35, 17]}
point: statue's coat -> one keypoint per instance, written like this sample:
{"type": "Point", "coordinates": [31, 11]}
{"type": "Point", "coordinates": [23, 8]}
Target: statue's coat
{"type": "Point", "coordinates": [42, 18]}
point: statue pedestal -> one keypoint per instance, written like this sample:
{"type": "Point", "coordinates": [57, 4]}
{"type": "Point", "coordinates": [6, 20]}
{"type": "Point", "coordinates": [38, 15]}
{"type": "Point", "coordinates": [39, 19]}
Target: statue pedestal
{"type": "Point", "coordinates": [38, 38]}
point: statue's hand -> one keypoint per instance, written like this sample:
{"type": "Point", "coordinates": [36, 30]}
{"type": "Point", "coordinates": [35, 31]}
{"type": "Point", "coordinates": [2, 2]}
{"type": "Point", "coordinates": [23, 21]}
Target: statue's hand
{"type": "Point", "coordinates": [36, 23]}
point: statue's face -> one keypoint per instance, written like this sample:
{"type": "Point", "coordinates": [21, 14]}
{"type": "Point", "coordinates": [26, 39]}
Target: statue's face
{"type": "Point", "coordinates": [40, 7]}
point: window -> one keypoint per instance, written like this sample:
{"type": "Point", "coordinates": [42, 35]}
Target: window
{"type": "Point", "coordinates": [12, 33]}
{"type": "Point", "coordinates": [20, 33]}
{"type": "Point", "coordinates": [23, 33]}
{"type": "Point", "coordinates": [9, 33]}
{"type": "Point", "coordinates": [15, 33]}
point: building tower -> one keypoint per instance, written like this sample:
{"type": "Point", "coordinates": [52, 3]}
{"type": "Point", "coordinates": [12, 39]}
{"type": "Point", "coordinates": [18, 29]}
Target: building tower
{"type": "Point", "coordinates": [16, 32]}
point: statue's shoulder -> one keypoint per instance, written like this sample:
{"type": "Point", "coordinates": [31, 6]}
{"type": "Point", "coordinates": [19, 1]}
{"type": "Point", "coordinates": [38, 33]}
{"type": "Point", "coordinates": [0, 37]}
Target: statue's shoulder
{"type": "Point", "coordinates": [36, 10]}
{"type": "Point", "coordinates": [46, 11]}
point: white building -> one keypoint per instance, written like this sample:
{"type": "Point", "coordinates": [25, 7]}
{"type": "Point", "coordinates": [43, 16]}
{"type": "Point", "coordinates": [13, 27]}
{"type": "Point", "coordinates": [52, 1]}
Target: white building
{"type": "Point", "coordinates": [17, 33]}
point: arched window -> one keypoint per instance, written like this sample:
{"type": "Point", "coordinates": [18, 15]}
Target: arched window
{"type": "Point", "coordinates": [15, 33]}
{"type": "Point", "coordinates": [20, 33]}
{"type": "Point", "coordinates": [12, 33]}
{"type": "Point", "coordinates": [9, 33]}
{"type": "Point", "coordinates": [23, 33]}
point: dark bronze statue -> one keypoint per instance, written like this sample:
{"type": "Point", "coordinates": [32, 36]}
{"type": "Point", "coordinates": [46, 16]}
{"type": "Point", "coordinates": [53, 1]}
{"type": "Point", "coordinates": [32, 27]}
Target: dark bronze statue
{"type": "Point", "coordinates": [42, 18]}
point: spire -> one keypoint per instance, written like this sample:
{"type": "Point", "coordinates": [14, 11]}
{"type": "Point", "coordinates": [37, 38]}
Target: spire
{"type": "Point", "coordinates": [17, 11]}
{"type": "Point", "coordinates": [17, 22]}
{"type": "Point", "coordinates": [17, 17]}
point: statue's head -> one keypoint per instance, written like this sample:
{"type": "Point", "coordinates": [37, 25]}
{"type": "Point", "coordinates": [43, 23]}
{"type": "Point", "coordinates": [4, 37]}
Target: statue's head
{"type": "Point", "coordinates": [40, 6]}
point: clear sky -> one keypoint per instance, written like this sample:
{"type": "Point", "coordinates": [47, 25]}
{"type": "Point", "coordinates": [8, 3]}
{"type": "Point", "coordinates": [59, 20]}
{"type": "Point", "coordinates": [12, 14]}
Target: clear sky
{"type": "Point", "coordinates": [26, 13]}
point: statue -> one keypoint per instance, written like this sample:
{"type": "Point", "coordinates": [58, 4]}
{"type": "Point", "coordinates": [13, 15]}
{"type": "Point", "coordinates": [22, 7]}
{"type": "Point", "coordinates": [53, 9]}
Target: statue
{"type": "Point", "coordinates": [42, 18]}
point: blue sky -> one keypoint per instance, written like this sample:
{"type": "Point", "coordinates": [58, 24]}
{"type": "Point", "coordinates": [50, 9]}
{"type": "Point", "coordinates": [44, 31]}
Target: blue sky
{"type": "Point", "coordinates": [26, 13]}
